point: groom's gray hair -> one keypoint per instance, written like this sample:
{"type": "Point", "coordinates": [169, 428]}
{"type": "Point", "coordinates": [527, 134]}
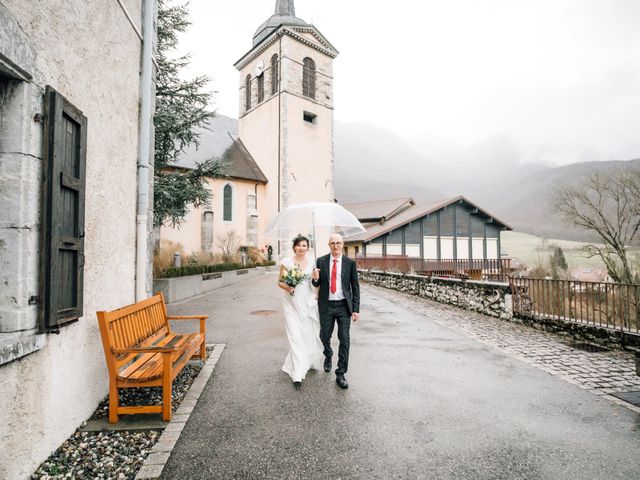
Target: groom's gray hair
{"type": "Point", "coordinates": [336, 235]}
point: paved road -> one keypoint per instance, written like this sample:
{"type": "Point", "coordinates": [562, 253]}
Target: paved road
{"type": "Point", "coordinates": [425, 401]}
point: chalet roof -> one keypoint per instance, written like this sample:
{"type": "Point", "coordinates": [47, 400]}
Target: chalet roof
{"type": "Point", "coordinates": [219, 139]}
{"type": "Point", "coordinates": [376, 211]}
{"type": "Point", "coordinates": [589, 274]}
{"type": "Point", "coordinates": [410, 214]}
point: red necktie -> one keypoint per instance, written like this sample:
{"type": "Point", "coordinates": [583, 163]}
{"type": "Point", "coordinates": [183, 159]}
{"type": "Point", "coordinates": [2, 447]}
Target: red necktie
{"type": "Point", "coordinates": [334, 276]}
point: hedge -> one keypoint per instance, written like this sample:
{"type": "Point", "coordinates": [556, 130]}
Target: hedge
{"type": "Point", "coordinates": [172, 272]}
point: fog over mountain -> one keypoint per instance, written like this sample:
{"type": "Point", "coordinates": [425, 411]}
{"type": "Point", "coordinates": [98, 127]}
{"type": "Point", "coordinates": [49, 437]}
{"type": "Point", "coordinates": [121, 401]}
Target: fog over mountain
{"type": "Point", "coordinates": [372, 163]}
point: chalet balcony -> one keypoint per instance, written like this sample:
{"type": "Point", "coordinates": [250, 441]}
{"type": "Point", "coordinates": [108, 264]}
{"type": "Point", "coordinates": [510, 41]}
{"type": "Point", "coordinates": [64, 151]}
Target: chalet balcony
{"type": "Point", "coordinates": [477, 269]}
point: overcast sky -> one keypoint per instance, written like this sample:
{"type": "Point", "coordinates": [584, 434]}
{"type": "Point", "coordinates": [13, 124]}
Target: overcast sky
{"type": "Point", "coordinates": [558, 79]}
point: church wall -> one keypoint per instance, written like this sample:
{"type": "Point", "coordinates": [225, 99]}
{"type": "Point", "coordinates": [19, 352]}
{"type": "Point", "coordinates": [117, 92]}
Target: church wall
{"type": "Point", "coordinates": [189, 233]}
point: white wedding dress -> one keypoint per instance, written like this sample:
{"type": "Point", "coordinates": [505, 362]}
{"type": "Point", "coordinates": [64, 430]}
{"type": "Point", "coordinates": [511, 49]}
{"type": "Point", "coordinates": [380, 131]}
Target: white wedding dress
{"type": "Point", "coordinates": [303, 327]}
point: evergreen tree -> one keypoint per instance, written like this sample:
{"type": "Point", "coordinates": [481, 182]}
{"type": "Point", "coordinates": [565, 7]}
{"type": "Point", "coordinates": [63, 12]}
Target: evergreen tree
{"type": "Point", "coordinates": [181, 108]}
{"type": "Point", "coordinates": [558, 262]}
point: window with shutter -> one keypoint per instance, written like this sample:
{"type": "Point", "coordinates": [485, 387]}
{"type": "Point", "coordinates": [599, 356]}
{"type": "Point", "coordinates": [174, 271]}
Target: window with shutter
{"type": "Point", "coordinates": [227, 200]}
{"type": "Point", "coordinates": [62, 241]}
{"type": "Point", "coordinates": [309, 78]}
{"type": "Point", "coordinates": [274, 74]}
{"type": "Point", "coordinates": [247, 93]}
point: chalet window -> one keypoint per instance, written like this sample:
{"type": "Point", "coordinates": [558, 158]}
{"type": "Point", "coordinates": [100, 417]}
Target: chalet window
{"type": "Point", "coordinates": [247, 93]}
{"type": "Point", "coordinates": [227, 203]}
{"type": "Point", "coordinates": [274, 75]}
{"type": "Point", "coordinates": [463, 221]}
{"type": "Point", "coordinates": [260, 88]}
{"type": "Point", "coordinates": [309, 78]}
{"type": "Point", "coordinates": [446, 222]}
{"type": "Point", "coordinates": [62, 241]}
{"type": "Point", "coordinates": [431, 226]}
{"type": "Point", "coordinates": [309, 117]}
{"type": "Point", "coordinates": [477, 226]}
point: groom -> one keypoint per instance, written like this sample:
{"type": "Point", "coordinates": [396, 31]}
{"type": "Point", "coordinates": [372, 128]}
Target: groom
{"type": "Point", "coordinates": [338, 301]}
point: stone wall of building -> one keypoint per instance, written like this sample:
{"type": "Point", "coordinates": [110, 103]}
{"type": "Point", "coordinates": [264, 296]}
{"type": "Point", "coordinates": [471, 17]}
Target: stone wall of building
{"type": "Point", "coordinates": [492, 299]}
{"type": "Point", "coordinates": [90, 53]}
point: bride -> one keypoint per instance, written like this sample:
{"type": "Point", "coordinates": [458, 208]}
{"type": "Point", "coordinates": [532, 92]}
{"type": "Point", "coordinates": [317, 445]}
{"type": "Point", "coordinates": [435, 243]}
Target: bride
{"type": "Point", "coordinates": [301, 315]}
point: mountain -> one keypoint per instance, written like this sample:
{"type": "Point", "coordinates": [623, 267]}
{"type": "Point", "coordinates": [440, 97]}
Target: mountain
{"type": "Point", "coordinates": [372, 163]}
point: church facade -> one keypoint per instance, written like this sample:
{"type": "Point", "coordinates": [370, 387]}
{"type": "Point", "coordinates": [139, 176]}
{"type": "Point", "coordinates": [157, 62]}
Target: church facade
{"type": "Point", "coordinates": [284, 134]}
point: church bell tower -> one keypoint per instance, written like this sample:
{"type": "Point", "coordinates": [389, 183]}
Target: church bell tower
{"type": "Point", "coordinates": [286, 109]}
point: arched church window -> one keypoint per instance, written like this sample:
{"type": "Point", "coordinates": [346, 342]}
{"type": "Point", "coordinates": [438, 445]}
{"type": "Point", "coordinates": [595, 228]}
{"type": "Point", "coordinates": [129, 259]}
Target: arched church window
{"type": "Point", "coordinates": [309, 78]}
{"type": "Point", "coordinates": [227, 203]}
{"type": "Point", "coordinates": [274, 75]}
{"type": "Point", "coordinates": [260, 88]}
{"type": "Point", "coordinates": [247, 93]}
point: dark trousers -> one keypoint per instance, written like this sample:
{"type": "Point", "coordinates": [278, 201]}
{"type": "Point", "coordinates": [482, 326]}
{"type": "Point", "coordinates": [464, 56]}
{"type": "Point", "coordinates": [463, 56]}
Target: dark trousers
{"type": "Point", "coordinates": [338, 312]}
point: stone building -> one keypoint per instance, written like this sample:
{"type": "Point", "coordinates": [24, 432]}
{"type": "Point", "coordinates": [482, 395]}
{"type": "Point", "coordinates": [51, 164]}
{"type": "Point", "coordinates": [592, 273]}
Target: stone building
{"type": "Point", "coordinates": [285, 126]}
{"type": "Point", "coordinates": [75, 134]}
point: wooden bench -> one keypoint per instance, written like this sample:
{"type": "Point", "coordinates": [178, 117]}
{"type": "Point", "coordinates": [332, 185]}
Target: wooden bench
{"type": "Point", "coordinates": [141, 351]}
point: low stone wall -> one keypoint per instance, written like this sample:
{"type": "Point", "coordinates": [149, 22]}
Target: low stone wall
{"type": "Point", "coordinates": [179, 288]}
{"type": "Point", "coordinates": [489, 298]}
{"type": "Point", "coordinates": [494, 299]}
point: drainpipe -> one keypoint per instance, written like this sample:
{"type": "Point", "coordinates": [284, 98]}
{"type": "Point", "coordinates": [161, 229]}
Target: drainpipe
{"type": "Point", "coordinates": [143, 150]}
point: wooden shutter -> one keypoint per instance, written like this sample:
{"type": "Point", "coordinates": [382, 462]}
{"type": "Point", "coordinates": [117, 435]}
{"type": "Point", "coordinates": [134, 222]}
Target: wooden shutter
{"type": "Point", "coordinates": [309, 78]}
{"type": "Point", "coordinates": [62, 244]}
{"type": "Point", "coordinates": [274, 74]}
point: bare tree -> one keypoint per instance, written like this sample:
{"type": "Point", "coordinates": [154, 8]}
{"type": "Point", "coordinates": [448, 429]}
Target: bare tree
{"type": "Point", "coordinates": [606, 204]}
{"type": "Point", "coordinates": [229, 243]}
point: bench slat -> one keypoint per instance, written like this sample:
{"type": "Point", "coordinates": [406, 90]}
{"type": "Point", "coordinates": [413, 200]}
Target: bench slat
{"type": "Point", "coordinates": [149, 365]}
{"type": "Point", "coordinates": [158, 340]}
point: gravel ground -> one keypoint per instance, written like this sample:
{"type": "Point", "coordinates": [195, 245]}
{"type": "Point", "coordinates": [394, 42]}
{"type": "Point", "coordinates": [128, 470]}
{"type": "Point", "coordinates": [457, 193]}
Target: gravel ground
{"type": "Point", "coordinates": [112, 455]}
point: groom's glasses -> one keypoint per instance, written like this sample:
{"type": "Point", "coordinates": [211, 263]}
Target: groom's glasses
{"type": "Point", "coordinates": [335, 243]}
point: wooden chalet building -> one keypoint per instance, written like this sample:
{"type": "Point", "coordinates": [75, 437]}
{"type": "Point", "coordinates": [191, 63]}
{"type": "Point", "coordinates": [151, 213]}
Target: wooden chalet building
{"type": "Point", "coordinates": [450, 237]}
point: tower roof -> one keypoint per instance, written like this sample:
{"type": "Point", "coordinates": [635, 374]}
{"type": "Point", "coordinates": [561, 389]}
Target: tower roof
{"type": "Point", "coordinates": [285, 14]}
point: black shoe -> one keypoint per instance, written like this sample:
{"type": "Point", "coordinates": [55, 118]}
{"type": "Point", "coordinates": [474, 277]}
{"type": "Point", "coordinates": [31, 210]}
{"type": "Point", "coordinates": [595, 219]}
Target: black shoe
{"type": "Point", "coordinates": [327, 364]}
{"type": "Point", "coordinates": [297, 385]}
{"type": "Point", "coordinates": [341, 381]}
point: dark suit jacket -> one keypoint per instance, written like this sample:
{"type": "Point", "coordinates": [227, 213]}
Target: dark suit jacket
{"type": "Point", "coordinates": [350, 285]}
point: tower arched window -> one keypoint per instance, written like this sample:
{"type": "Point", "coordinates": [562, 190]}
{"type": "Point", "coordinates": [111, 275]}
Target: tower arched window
{"type": "Point", "coordinates": [275, 78]}
{"type": "Point", "coordinates": [309, 78]}
{"type": "Point", "coordinates": [247, 93]}
{"type": "Point", "coordinates": [261, 88]}
{"type": "Point", "coordinates": [227, 206]}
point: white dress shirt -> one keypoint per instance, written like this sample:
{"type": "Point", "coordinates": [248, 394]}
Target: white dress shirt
{"type": "Point", "coordinates": [339, 295]}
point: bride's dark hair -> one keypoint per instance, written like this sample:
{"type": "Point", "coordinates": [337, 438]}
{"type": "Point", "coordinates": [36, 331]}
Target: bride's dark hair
{"type": "Point", "coordinates": [298, 239]}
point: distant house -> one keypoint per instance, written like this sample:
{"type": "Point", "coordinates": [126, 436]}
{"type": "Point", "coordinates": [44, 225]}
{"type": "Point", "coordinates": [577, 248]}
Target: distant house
{"type": "Point", "coordinates": [590, 275]}
{"type": "Point", "coordinates": [449, 229]}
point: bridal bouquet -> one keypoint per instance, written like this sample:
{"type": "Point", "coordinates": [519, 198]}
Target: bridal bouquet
{"type": "Point", "coordinates": [293, 277]}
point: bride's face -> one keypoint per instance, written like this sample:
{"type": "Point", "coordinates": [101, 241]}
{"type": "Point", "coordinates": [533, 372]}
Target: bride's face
{"type": "Point", "coordinates": [301, 248]}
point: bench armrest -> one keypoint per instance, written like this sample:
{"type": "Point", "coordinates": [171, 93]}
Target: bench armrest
{"type": "Point", "coordinates": [188, 317]}
{"type": "Point", "coordinates": [118, 351]}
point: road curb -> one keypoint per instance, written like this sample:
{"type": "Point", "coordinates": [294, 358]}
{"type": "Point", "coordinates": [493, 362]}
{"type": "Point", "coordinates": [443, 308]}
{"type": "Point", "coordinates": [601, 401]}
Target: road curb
{"type": "Point", "coordinates": [161, 451]}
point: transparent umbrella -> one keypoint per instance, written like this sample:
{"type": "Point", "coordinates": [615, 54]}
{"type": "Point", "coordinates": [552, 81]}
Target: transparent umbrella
{"type": "Point", "coordinates": [310, 216]}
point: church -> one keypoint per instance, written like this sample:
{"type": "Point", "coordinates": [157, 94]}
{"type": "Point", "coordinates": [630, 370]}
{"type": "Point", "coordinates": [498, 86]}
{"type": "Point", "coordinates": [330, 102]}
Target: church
{"type": "Point", "coordinates": [279, 150]}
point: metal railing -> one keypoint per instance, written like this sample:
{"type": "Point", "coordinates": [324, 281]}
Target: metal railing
{"type": "Point", "coordinates": [610, 305]}
{"type": "Point", "coordinates": [484, 269]}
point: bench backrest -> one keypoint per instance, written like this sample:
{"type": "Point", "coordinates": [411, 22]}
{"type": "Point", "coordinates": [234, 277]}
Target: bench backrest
{"type": "Point", "coordinates": [128, 326]}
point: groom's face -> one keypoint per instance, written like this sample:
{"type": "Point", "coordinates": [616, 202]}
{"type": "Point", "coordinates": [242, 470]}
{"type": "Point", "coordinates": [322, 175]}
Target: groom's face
{"type": "Point", "coordinates": [335, 244]}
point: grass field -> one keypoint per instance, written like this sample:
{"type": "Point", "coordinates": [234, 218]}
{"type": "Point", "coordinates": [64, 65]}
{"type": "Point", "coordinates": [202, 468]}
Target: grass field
{"type": "Point", "coordinates": [534, 250]}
